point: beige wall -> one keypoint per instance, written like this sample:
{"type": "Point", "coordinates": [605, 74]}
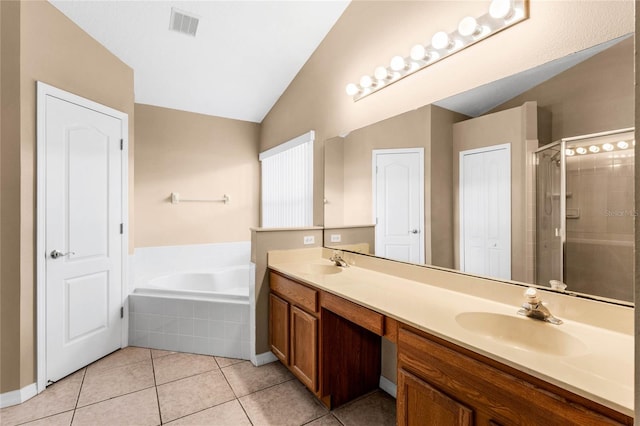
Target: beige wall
{"type": "Point", "coordinates": [430, 128]}
{"type": "Point", "coordinates": [10, 285]}
{"type": "Point", "coordinates": [408, 130]}
{"type": "Point", "coordinates": [52, 49]}
{"type": "Point", "coordinates": [334, 182]}
{"type": "Point", "coordinates": [636, 274]}
{"type": "Point", "coordinates": [360, 239]}
{"type": "Point", "coordinates": [594, 96]}
{"type": "Point", "coordinates": [371, 32]}
{"type": "Point", "coordinates": [515, 126]}
{"type": "Point", "coordinates": [263, 240]}
{"type": "Point", "coordinates": [198, 156]}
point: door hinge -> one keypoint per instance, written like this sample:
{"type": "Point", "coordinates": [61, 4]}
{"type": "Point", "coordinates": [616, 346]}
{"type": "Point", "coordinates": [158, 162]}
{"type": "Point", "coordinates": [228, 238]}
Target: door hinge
{"type": "Point", "coordinates": [121, 311]}
{"type": "Point", "coordinates": [121, 144]}
{"type": "Point", "coordinates": [122, 228]}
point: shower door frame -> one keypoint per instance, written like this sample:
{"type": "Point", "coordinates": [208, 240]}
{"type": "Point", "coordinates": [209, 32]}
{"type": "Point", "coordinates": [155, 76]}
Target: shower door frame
{"type": "Point", "coordinates": [563, 186]}
{"type": "Point", "coordinates": [560, 232]}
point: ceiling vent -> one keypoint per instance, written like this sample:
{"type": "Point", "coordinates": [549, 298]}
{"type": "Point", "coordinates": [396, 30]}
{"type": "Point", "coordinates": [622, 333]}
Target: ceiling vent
{"type": "Point", "coordinates": [183, 22]}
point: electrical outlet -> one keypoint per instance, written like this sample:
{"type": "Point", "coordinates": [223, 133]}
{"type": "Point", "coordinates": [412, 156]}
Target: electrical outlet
{"type": "Point", "coordinates": [309, 239]}
{"type": "Point", "coordinates": [336, 238]}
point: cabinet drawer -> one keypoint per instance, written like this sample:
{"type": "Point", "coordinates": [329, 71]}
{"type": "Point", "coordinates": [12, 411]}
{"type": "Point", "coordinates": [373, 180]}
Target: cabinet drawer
{"type": "Point", "coordinates": [496, 394]}
{"type": "Point", "coordinates": [355, 313]}
{"type": "Point", "coordinates": [295, 293]}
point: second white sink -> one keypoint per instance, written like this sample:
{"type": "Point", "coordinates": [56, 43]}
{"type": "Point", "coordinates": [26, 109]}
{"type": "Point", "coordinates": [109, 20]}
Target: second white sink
{"type": "Point", "coordinates": [317, 269]}
{"type": "Point", "coordinates": [522, 333]}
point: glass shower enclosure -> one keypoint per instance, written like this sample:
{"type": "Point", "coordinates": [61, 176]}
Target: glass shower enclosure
{"type": "Point", "coordinates": [584, 214]}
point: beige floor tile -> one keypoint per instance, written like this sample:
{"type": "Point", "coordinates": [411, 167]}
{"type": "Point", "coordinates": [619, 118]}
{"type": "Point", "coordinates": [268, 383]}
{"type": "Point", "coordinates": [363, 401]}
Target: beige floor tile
{"type": "Point", "coordinates": [245, 378]}
{"type": "Point", "coordinates": [119, 358]}
{"type": "Point", "coordinates": [104, 384]}
{"type": "Point", "coordinates": [288, 403]}
{"type": "Point", "coordinates": [138, 408]}
{"type": "Point", "coordinates": [327, 420]}
{"type": "Point", "coordinates": [193, 394]}
{"type": "Point", "coordinates": [227, 414]}
{"type": "Point", "coordinates": [376, 408]}
{"type": "Point", "coordinates": [180, 365]}
{"type": "Point", "coordinates": [62, 419]}
{"type": "Point", "coordinates": [157, 353]}
{"type": "Point", "coordinates": [225, 362]}
{"type": "Point", "coordinates": [57, 398]}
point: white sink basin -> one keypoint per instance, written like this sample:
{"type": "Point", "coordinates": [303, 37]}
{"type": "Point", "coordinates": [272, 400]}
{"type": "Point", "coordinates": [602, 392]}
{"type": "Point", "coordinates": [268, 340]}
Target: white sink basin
{"type": "Point", "coordinates": [522, 333]}
{"type": "Point", "coordinates": [317, 269]}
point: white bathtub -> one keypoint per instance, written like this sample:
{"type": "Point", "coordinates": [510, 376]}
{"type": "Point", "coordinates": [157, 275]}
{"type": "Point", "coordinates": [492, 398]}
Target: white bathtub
{"type": "Point", "coordinates": [230, 283]}
{"type": "Point", "coordinates": [204, 312]}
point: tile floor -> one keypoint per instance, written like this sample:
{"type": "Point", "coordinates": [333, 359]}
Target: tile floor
{"type": "Point", "coordinates": [139, 386]}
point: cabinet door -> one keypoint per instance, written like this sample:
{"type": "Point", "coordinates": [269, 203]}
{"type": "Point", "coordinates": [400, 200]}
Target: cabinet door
{"type": "Point", "coordinates": [419, 403]}
{"type": "Point", "coordinates": [279, 327]}
{"type": "Point", "coordinates": [304, 347]}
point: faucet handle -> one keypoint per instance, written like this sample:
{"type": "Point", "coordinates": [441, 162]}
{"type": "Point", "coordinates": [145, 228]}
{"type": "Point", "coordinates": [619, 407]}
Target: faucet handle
{"type": "Point", "coordinates": [532, 296]}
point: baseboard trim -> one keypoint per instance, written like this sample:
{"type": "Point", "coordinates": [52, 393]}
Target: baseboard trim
{"type": "Point", "coordinates": [263, 358]}
{"type": "Point", "coordinates": [19, 396]}
{"type": "Point", "coordinates": [388, 386]}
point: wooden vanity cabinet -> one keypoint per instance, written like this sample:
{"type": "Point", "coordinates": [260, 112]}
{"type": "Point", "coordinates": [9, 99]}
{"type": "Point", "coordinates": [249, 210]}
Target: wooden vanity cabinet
{"type": "Point", "coordinates": [440, 383]}
{"type": "Point", "coordinates": [330, 344]}
{"type": "Point", "coordinates": [293, 327]}
{"type": "Point", "coordinates": [279, 327]}
{"type": "Point", "coordinates": [304, 347]}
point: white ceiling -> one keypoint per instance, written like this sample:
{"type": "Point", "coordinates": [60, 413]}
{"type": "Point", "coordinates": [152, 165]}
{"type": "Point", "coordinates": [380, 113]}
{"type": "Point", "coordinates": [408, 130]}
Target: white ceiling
{"type": "Point", "coordinates": [242, 59]}
{"type": "Point", "coordinates": [478, 101]}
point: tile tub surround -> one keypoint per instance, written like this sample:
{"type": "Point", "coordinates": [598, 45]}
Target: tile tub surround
{"type": "Point", "coordinates": [430, 299]}
{"type": "Point", "coordinates": [188, 389]}
{"type": "Point", "coordinates": [195, 326]}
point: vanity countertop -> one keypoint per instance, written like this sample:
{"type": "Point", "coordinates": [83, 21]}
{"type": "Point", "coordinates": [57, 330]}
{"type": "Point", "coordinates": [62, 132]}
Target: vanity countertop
{"type": "Point", "coordinates": [599, 363]}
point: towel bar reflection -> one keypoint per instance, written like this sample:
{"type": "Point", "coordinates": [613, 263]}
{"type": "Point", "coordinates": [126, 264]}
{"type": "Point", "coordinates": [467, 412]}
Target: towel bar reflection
{"type": "Point", "coordinates": [175, 199]}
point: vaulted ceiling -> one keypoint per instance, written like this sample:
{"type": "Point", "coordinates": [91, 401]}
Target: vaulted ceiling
{"type": "Point", "coordinates": [242, 58]}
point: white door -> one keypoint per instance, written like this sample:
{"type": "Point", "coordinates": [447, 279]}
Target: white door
{"type": "Point", "coordinates": [485, 209]}
{"type": "Point", "coordinates": [399, 204]}
{"type": "Point", "coordinates": [83, 248]}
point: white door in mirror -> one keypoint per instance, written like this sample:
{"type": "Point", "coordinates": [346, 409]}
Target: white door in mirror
{"type": "Point", "coordinates": [398, 204]}
{"type": "Point", "coordinates": [485, 211]}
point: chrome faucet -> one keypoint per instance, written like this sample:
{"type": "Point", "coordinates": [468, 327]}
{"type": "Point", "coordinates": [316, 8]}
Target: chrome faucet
{"type": "Point", "coordinates": [533, 308]}
{"type": "Point", "coordinates": [337, 258]}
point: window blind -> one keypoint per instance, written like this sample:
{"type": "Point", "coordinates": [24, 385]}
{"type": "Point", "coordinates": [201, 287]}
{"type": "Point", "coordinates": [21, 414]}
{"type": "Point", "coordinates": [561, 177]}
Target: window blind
{"type": "Point", "coordinates": [287, 183]}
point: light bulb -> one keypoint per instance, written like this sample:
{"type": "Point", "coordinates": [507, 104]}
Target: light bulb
{"type": "Point", "coordinates": [352, 89]}
{"type": "Point", "coordinates": [381, 73]}
{"type": "Point", "coordinates": [366, 81]}
{"type": "Point", "coordinates": [501, 9]}
{"type": "Point", "coordinates": [581, 150]}
{"type": "Point", "coordinates": [418, 52]}
{"type": "Point", "coordinates": [607, 147]}
{"type": "Point", "coordinates": [397, 63]}
{"type": "Point", "coordinates": [569, 152]}
{"type": "Point", "coordinates": [623, 145]}
{"type": "Point", "coordinates": [594, 148]}
{"type": "Point", "coordinates": [441, 40]}
{"type": "Point", "coordinates": [469, 27]}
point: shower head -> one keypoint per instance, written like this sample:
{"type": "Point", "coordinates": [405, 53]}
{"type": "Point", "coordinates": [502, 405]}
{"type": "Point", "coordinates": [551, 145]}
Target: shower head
{"type": "Point", "coordinates": [555, 157]}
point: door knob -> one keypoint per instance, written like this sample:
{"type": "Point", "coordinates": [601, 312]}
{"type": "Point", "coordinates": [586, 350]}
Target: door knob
{"type": "Point", "coordinates": [57, 253]}
{"type": "Point", "coordinates": [414, 231]}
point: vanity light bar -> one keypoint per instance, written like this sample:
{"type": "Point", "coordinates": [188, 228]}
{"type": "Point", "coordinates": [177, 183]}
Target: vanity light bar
{"type": "Point", "coordinates": [502, 14]}
{"type": "Point", "coordinates": [594, 149]}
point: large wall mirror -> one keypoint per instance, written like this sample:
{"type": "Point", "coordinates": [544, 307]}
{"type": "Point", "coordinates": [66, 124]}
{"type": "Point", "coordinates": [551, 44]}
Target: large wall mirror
{"type": "Point", "coordinates": [528, 179]}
